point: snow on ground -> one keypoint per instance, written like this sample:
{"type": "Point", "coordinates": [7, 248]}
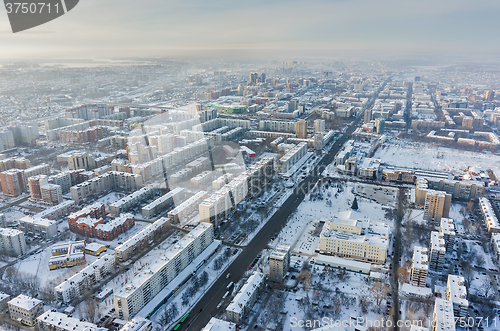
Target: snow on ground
{"type": "Point", "coordinates": [13, 214]}
{"type": "Point", "coordinates": [408, 154]}
{"type": "Point", "coordinates": [110, 198]}
{"type": "Point", "coordinates": [479, 284]}
{"type": "Point", "coordinates": [329, 200]}
{"type": "Point", "coordinates": [124, 236]}
{"type": "Point", "coordinates": [382, 195]}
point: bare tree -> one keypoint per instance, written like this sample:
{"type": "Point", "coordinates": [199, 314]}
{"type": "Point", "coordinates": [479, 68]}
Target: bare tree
{"type": "Point", "coordinates": [90, 309]}
{"type": "Point", "coordinates": [379, 292]}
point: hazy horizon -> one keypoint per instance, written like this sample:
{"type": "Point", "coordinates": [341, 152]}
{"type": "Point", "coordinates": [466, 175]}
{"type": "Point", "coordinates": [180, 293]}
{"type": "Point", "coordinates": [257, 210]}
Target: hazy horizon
{"type": "Point", "coordinates": [124, 29]}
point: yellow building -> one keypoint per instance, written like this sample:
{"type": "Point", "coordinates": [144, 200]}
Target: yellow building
{"type": "Point", "coordinates": [94, 249]}
{"type": "Point", "coordinates": [347, 236]}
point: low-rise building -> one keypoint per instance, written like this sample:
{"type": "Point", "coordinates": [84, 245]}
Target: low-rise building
{"type": "Point", "coordinates": [94, 249]}
{"type": "Point", "coordinates": [67, 255]}
{"type": "Point", "coordinates": [36, 226]}
{"type": "Point", "coordinates": [216, 324]}
{"type": "Point", "coordinates": [351, 236]}
{"type": "Point", "coordinates": [4, 298]}
{"type": "Point", "coordinates": [25, 309]}
{"type": "Point", "coordinates": [138, 324]}
{"type": "Point", "coordinates": [55, 321]}
{"type": "Point", "coordinates": [245, 298]}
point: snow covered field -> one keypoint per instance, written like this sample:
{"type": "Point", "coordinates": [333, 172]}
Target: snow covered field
{"type": "Point", "coordinates": [407, 154]}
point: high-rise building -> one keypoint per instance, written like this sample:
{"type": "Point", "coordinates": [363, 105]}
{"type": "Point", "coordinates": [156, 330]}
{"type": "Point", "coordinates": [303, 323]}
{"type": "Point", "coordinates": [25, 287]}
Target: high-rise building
{"type": "Point", "coordinates": [12, 242]}
{"type": "Point", "coordinates": [447, 228]}
{"type": "Point", "coordinates": [319, 126]}
{"type": "Point", "coordinates": [279, 262]}
{"type": "Point", "coordinates": [367, 115]}
{"type": "Point", "coordinates": [437, 205]}
{"type": "Point", "coordinates": [12, 182]}
{"type": "Point", "coordinates": [301, 129]}
{"type": "Point", "coordinates": [489, 95]}
{"type": "Point", "coordinates": [438, 251]}
{"type": "Point", "coordinates": [380, 125]}
{"type": "Point", "coordinates": [34, 184]}
{"type": "Point", "coordinates": [419, 266]}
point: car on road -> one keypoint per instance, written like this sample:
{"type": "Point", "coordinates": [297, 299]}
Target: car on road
{"type": "Point", "coordinates": [228, 275]}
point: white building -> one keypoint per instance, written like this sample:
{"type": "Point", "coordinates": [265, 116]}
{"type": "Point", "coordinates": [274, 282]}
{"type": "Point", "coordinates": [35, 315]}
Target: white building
{"type": "Point", "coordinates": [55, 321]}
{"type": "Point", "coordinates": [456, 292]}
{"type": "Point", "coordinates": [442, 317]}
{"type": "Point", "coordinates": [12, 242]}
{"type": "Point", "coordinates": [25, 309]}
{"type": "Point", "coordinates": [162, 202]}
{"type": "Point", "coordinates": [351, 236]}
{"type": "Point", "coordinates": [246, 297]}
{"type": "Point", "coordinates": [137, 324]}
{"type": "Point", "coordinates": [187, 207]}
{"type": "Point", "coordinates": [438, 251]}
{"type": "Point", "coordinates": [141, 289]}
{"type": "Point", "coordinates": [39, 226]}
{"type": "Point", "coordinates": [419, 266]}
{"type": "Point", "coordinates": [447, 228]}
{"type": "Point", "coordinates": [216, 324]}
{"type": "Point", "coordinates": [85, 279]}
{"type": "Point", "coordinates": [58, 211]}
{"type": "Point", "coordinates": [141, 239]}
{"type": "Point", "coordinates": [131, 200]}
{"type": "Point", "coordinates": [293, 156]}
{"type": "Point", "coordinates": [490, 217]}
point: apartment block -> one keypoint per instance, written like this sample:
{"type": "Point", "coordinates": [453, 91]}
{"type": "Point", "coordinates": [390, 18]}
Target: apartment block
{"type": "Point", "coordinates": [437, 205]}
{"type": "Point", "coordinates": [55, 321]}
{"type": "Point", "coordinates": [447, 228]}
{"type": "Point", "coordinates": [141, 239]}
{"type": "Point", "coordinates": [287, 161]}
{"type": "Point", "coordinates": [419, 266]}
{"type": "Point", "coordinates": [216, 324]}
{"type": "Point", "coordinates": [25, 309]}
{"type": "Point", "coordinates": [138, 324]}
{"type": "Point", "coordinates": [87, 278]}
{"type": "Point", "coordinates": [58, 211]}
{"type": "Point", "coordinates": [37, 226]}
{"type": "Point", "coordinates": [12, 242]}
{"type": "Point", "coordinates": [442, 316]}
{"type": "Point", "coordinates": [463, 190]}
{"type": "Point", "coordinates": [489, 215]}
{"type": "Point", "coordinates": [141, 289]}
{"type": "Point", "coordinates": [42, 169]}
{"type": "Point", "coordinates": [161, 204]}
{"type": "Point", "coordinates": [319, 126]}
{"type": "Point", "coordinates": [110, 181]}
{"type": "Point", "coordinates": [12, 182]}
{"type": "Point", "coordinates": [279, 262]}
{"type": "Point", "coordinates": [187, 207]}
{"type": "Point", "coordinates": [456, 292]}
{"type": "Point", "coordinates": [437, 251]}
{"type": "Point", "coordinates": [132, 200]}
{"type": "Point", "coordinates": [347, 236]}
{"type": "Point", "coordinates": [245, 298]}
{"type": "Point", "coordinates": [14, 162]}
{"type": "Point", "coordinates": [34, 186]}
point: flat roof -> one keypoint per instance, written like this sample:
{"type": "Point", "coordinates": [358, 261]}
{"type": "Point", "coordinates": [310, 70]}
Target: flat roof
{"type": "Point", "coordinates": [24, 302]}
{"type": "Point", "coordinates": [241, 299]}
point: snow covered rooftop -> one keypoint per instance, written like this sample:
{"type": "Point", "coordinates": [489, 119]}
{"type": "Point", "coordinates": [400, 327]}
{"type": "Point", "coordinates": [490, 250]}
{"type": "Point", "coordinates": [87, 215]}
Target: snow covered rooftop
{"type": "Point", "coordinates": [444, 318]}
{"type": "Point", "coordinates": [89, 270]}
{"type": "Point", "coordinates": [61, 321]}
{"type": "Point", "coordinates": [437, 241]}
{"type": "Point", "coordinates": [420, 257]}
{"type": "Point", "coordinates": [24, 302]}
{"type": "Point", "coordinates": [447, 226]}
{"type": "Point", "coordinates": [136, 324]}
{"type": "Point", "coordinates": [142, 234]}
{"type": "Point", "coordinates": [241, 299]}
{"type": "Point", "coordinates": [456, 290]}
{"type": "Point", "coordinates": [9, 232]}
{"type": "Point", "coordinates": [216, 324]}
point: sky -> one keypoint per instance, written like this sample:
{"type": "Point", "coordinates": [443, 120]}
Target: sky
{"type": "Point", "coordinates": [144, 28]}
